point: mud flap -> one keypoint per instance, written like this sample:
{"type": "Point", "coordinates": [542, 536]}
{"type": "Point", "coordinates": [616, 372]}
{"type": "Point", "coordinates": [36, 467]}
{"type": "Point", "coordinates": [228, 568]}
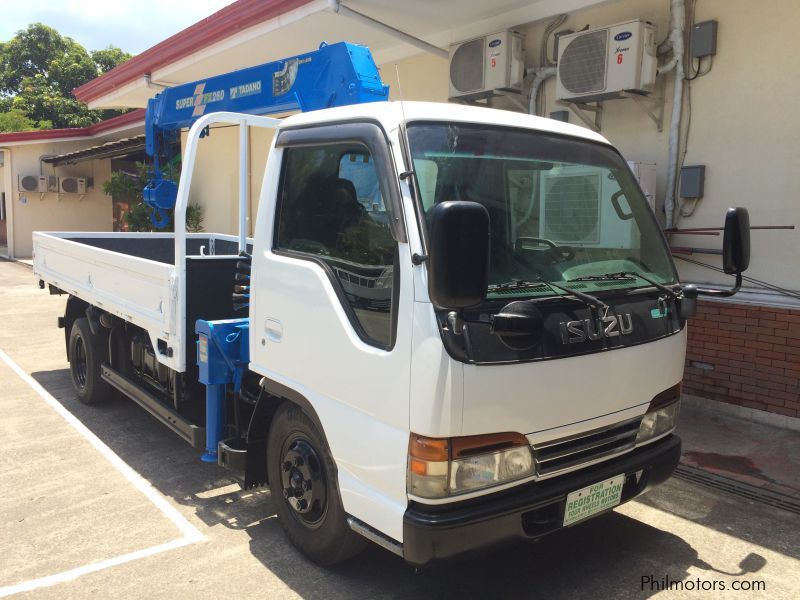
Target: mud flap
{"type": "Point", "coordinates": [255, 471]}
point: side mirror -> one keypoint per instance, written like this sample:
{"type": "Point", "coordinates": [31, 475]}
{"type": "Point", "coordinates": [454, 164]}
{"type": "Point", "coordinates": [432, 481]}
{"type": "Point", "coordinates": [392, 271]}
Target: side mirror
{"type": "Point", "coordinates": [458, 261]}
{"type": "Point", "coordinates": [688, 302]}
{"type": "Point", "coordinates": [736, 241]}
{"type": "Point", "coordinates": [735, 251]}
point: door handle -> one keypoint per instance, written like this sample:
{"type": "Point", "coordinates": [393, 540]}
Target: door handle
{"type": "Point", "coordinates": [273, 329]}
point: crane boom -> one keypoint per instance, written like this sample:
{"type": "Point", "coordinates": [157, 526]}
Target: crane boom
{"type": "Point", "coordinates": [334, 75]}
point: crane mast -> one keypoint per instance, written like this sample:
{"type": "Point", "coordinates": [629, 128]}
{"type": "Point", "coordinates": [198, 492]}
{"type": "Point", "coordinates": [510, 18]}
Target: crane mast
{"type": "Point", "coordinates": [334, 75]}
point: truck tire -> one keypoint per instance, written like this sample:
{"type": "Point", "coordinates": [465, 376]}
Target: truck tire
{"type": "Point", "coordinates": [86, 352]}
{"type": "Point", "coordinates": [302, 481]}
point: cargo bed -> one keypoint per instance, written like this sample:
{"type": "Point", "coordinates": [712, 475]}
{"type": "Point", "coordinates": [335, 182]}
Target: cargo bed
{"type": "Point", "coordinates": [134, 276]}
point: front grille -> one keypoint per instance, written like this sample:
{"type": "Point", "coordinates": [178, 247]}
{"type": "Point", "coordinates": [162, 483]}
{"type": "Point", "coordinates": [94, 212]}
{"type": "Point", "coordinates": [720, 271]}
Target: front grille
{"type": "Point", "coordinates": [570, 453]}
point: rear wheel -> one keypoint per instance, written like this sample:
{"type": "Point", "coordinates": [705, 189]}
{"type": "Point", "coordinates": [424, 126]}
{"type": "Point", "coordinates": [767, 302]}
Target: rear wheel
{"type": "Point", "coordinates": [302, 482]}
{"type": "Point", "coordinates": [86, 352]}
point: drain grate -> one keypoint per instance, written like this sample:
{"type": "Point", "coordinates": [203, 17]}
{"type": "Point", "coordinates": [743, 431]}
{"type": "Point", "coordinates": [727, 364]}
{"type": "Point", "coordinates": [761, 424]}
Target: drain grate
{"type": "Point", "coordinates": [737, 488]}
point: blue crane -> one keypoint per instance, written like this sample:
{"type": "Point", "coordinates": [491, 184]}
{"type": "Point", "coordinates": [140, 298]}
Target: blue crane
{"type": "Point", "coordinates": [334, 75]}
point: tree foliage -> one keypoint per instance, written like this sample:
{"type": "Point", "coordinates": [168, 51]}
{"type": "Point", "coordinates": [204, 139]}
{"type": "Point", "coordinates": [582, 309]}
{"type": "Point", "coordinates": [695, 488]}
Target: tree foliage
{"type": "Point", "coordinates": [39, 68]}
{"type": "Point", "coordinates": [109, 58]}
{"type": "Point", "coordinates": [130, 186]}
{"type": "Point", "coordinates": [14, 119]}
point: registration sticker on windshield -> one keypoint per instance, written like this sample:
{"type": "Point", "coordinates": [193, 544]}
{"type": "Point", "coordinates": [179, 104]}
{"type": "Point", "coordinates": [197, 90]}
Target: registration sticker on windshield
{"type": "Point", "coordinates": [594, 499]}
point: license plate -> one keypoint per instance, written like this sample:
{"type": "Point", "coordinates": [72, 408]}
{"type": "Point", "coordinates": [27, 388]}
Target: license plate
{"type": "Point", "coordinates": [593, 499]}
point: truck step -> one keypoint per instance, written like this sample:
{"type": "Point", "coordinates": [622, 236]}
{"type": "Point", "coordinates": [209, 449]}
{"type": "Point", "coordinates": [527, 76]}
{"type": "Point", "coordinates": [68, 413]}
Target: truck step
{"type": "Point", "coordinates": [376, 536]}
{"type": "Point", "coordinates": [190, 432]}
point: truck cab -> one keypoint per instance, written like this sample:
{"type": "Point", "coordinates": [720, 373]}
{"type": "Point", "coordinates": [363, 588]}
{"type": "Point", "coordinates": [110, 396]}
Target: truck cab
{"type": "Point", "coordinates": [430, 405]}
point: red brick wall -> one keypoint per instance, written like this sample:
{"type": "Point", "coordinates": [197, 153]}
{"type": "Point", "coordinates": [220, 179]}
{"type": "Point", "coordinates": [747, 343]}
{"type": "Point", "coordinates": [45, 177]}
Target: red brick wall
{"type": "Point", "coordinates": [745, 355]}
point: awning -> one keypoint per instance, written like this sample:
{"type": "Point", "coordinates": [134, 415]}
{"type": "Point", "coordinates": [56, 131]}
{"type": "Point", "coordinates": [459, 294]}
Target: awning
{"type": "Point", "coordinates": [252, 32]}
{"type": "Point", "coordinates": [114, 149]}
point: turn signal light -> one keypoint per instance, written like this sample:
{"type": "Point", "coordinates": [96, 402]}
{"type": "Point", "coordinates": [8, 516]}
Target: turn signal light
{"type": "Point", "coordinates": [668, 396]}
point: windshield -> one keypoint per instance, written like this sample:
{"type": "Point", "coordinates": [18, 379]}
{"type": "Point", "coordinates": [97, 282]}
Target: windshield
{"type": "Point", "coordinates": [562, 210]}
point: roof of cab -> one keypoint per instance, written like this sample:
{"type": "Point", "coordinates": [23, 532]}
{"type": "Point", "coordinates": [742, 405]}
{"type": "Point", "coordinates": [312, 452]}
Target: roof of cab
{"type": "Point", "coordinates": [390, 114]}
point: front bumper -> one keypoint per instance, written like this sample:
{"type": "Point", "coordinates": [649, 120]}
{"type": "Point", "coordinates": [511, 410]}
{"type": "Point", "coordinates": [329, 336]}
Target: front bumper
{"type": "Point", "coordinates": [526, 512]}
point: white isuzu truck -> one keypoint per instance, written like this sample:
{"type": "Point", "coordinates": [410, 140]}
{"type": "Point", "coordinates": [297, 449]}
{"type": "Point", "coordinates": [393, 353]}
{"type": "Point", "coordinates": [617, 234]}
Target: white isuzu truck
{"type": "Point", "coordinates": [453, 327]}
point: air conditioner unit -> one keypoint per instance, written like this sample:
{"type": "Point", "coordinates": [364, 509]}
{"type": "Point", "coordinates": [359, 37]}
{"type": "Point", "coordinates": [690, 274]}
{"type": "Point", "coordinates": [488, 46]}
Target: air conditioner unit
{"type": "Point", "coordinates": [32, 183]}
{"type": "Point", "coordinates": [480, 66]}
{"type": "Point", "coordinates": [72, 185]}
{"type": "Point", "coordinates": [598, 64]}
{"type": "Point", "coordinates": [576, 209]}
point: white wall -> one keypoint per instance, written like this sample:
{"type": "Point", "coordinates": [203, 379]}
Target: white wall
{"type": "Point", "coordinates": [53, 212]}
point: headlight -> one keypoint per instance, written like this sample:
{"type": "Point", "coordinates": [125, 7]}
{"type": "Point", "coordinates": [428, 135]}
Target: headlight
{"type": "Point", "coordinates": [485, 470]}
{"type": "Point", "coordinates": [438, 468]}
{"type": "Point", "coordinates": [661, 416]}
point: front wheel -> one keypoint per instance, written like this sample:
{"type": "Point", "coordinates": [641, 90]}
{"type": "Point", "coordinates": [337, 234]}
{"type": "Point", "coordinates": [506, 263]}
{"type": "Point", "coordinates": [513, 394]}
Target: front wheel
{"type": "Point", "coordinates": [303, 486]}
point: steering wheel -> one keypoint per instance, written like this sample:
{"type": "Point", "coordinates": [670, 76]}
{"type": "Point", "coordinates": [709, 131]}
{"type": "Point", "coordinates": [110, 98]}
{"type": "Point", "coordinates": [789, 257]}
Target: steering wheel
{"type": "Point", "coordinates": [561, 252]}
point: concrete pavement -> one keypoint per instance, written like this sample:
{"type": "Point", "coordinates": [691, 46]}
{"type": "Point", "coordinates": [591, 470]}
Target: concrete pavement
{"type": "Point", "coordinates": [64, 506]}
{"type": "Point", "coordinates": [754, 454]}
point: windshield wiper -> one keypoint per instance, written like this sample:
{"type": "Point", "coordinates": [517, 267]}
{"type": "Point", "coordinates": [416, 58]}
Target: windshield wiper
{"type": "Point", "coordinates": [587, 299]}
{"type": "Point", "coordinates": [629, 275]}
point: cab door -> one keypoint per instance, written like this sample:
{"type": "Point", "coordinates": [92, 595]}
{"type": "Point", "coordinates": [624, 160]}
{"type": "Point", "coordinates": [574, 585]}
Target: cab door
{"type": "Point", "coordinates": [333, 302]}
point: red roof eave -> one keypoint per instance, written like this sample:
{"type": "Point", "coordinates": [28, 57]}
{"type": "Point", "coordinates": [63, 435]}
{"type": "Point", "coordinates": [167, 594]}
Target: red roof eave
{"type": "Point", "coordinates": [128, 118]}
{"type": "Point", "coordinates": [233, 18]}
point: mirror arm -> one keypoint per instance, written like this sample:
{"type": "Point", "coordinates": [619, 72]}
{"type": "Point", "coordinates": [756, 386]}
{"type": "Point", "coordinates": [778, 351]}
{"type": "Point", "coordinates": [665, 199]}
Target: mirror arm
{"type": "Point", "coordinates": [722, 293]}
{"type": "Point", "coordinates": [455, 320]}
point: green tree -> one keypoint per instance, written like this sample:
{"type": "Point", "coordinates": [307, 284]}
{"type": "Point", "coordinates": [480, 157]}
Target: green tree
{"type": "Point", "coordinates": [130, 186]}
{"type": "Point", "coordinates": [39, 68]}
{"type": "Point", "coordinates": [109, 58]}
{"type": "Point", "coordinates": [16, 120]}
{"type": "Point", "coordinates": [42, 102]}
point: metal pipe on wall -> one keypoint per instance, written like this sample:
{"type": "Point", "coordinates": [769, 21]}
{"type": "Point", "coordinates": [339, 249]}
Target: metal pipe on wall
{"type": "Point", "coordinates": [547, 68]}
{"type": "Point", "coordinates": [542, 75]}
{"type": "Point", "coordinates": [676, 36]}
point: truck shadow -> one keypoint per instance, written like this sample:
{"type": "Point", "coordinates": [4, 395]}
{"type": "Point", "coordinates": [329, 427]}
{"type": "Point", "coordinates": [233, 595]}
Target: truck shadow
{"type": "Point", "coordinates": [609, 555]}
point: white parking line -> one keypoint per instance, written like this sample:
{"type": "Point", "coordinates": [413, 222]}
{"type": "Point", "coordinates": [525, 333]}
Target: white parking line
{"type": "Point", "coordinates": [190, 533]}
{"type": "Point", "coordinates": [27, 586]}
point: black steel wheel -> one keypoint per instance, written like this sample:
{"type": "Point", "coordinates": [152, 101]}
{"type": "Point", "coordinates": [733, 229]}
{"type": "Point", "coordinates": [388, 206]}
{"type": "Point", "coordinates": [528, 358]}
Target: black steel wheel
{"type": "Point", "coordinates": [302, 481]}
{"type": "Point", "coordinates": [86, 353]}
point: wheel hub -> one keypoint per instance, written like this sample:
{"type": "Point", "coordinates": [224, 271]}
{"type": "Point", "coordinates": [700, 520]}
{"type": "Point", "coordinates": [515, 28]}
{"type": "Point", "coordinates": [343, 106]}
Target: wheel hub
{"type": "Point", "coordinates": [81, 366]}
{"type": "Point", "coordinates": [303, 480]}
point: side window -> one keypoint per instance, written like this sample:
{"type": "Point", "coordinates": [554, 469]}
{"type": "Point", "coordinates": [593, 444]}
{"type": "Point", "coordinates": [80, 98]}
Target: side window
{"type": "Point", "coordinates": [332, 209]}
